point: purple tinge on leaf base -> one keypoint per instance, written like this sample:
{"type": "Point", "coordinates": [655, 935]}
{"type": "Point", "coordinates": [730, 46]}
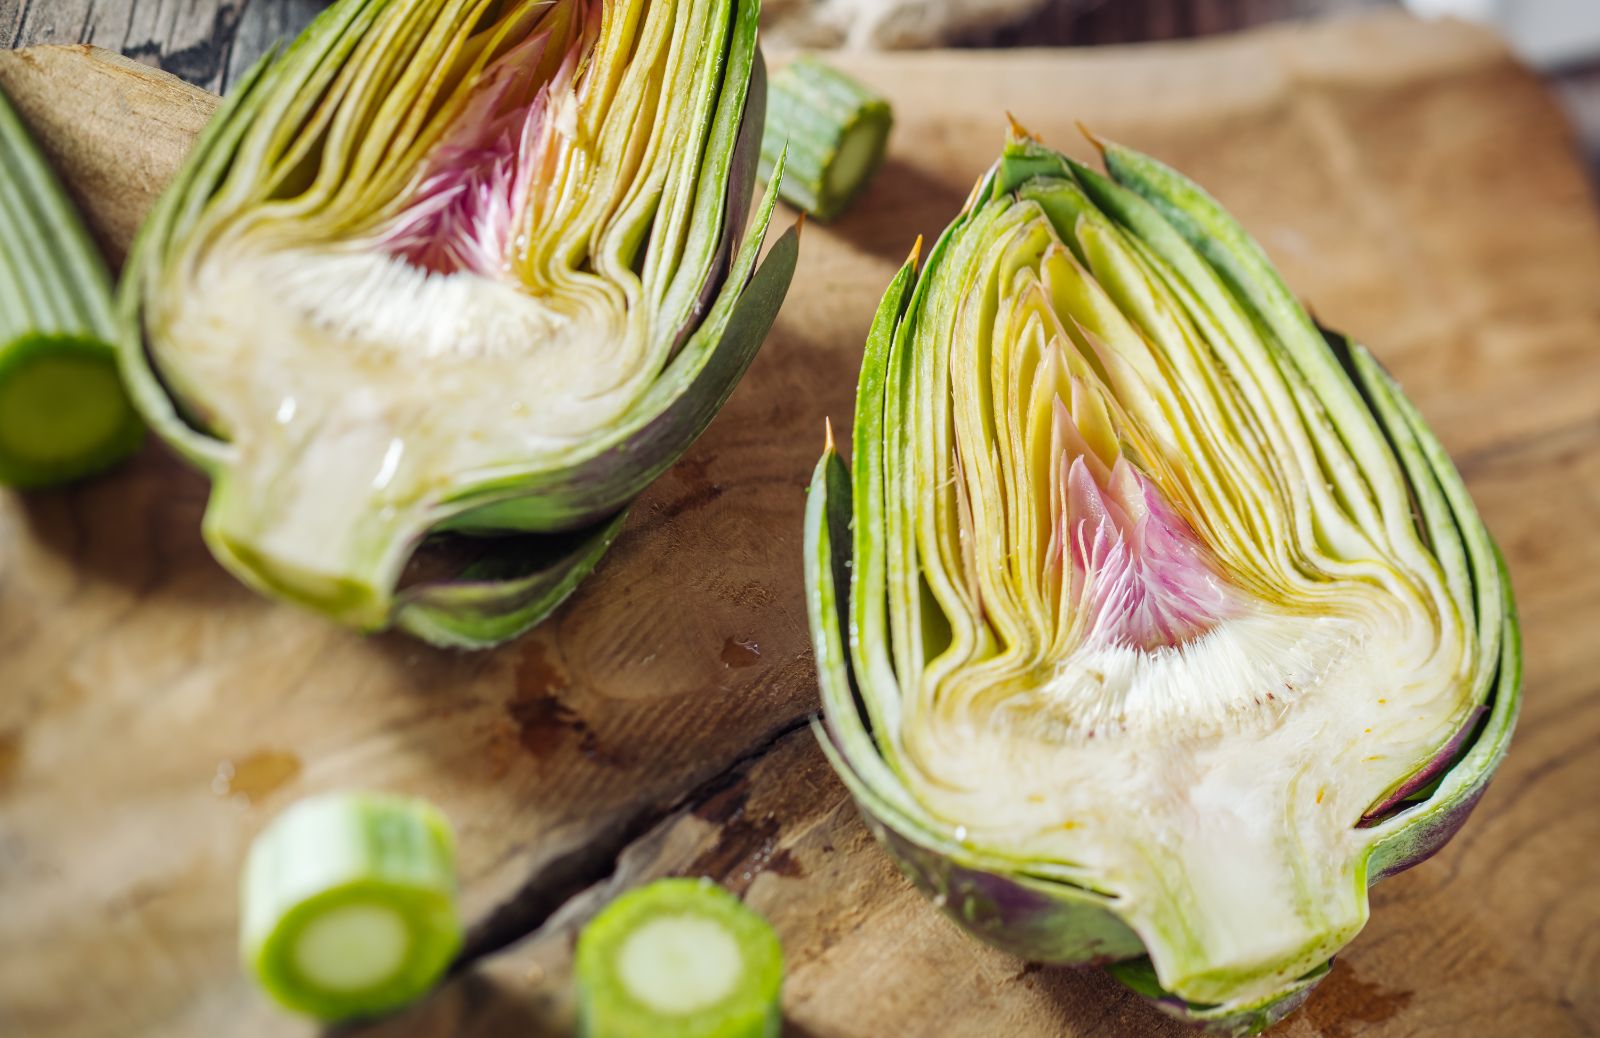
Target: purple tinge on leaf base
{"type": "Point", "coordinates": [1036, 919]}
{"type": "Point", "coordinates": [1420, 841]}
{"type": "Point", "coordinates": [1432, 770]}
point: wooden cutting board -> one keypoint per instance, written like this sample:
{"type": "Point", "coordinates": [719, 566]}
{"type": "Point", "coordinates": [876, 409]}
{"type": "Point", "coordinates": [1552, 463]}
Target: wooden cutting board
{"type": "Point", "coordinates": [1416, 185]}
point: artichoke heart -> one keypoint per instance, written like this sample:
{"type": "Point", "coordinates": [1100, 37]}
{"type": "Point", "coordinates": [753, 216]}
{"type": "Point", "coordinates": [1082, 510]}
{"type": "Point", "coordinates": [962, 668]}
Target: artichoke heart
{"type": "Point", "coordinates": [1153, 623]}
{"type": "Point", "coordinates": [469, 266]}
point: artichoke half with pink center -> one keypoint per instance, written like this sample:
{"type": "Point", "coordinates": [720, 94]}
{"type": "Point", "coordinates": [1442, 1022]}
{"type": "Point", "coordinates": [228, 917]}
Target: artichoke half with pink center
{"type": "Point", "coordinates": [464, 271]}
{"type": "Point", "coordinates": [1153, 624]}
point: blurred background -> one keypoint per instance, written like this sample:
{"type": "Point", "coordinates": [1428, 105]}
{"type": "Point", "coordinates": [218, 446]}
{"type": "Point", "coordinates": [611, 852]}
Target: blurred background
{"type": "Point", "coordinates": [210, 42]}
{"type": "Point", "coordinates": [1561, 38]}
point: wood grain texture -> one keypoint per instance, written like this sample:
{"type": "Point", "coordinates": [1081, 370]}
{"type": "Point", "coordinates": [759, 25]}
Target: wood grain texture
{"type": "Point", "coordinates": [121, 142]}
{"type": "Point", "coordinates": [187, 38]}
{"type": "Point", "coordinates": [155, 714]}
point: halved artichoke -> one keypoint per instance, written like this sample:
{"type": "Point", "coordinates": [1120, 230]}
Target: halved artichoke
{"type": "Point", "coordinates": [1153, 624]}
{"type": "Point", "coordinates": [469, 267]}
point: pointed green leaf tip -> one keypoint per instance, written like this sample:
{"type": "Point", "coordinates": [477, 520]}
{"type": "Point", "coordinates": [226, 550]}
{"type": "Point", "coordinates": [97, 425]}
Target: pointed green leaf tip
{"type": "Point", "coordinates": [1152, 624]}
{"type": "Point", "coordinates": [63, 412]}
{"type": "Point", "coordinates": [679, 958]}
{"type": "Point", "coordinates": [444, 272]}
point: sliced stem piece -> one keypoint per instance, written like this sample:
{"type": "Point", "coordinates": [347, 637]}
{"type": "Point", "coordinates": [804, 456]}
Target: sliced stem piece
{"type": "Point", "coordinates": [836, 131]}
{"type": "Point", "coordinates": [350, 904]}
{"type": "Point", "coordinates": [680, 958]}
{"type": "Point", "coordinates": [63, 412]}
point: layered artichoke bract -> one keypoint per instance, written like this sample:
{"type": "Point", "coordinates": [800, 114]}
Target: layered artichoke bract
{"type": "Point", "coordinates": [1151, 621]}
{"type": "Point", "coordinates": [465, 264]}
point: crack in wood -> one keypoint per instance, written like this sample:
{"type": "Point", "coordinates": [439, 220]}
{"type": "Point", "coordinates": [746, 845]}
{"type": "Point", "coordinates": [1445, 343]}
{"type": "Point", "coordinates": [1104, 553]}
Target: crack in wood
{"type": "Point", "coordinates": [566, 877]}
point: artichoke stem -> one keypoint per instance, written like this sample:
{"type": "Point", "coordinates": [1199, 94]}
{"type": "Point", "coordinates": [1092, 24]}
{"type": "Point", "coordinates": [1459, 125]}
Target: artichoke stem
{"type": "Point", "coordinates": [330, 537]}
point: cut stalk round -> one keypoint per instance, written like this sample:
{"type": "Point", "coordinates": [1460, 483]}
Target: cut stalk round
{"type": "Point", "coordinates": [349, 904]}
{"type": "Point", "coordinates": [680, 958]}
{"type": "Point", "coordinates": [833, 130]}
{"type": "Point", "coordinates": [63, 412]}
{"type": "Point", "coordinates": [472, 268]}
{"type": "Point", "coordinates": [1153, 623]}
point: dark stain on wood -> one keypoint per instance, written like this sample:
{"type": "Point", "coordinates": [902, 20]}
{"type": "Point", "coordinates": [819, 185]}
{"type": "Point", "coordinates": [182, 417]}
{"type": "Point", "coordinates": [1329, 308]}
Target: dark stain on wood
{"type": "Point", "coordinates": [544, 722]}
{"type": "Point", "coordinates": [699, 490]}
{"type": "Point", "coordinates": [537, 674]}
{"type": "Point", "coordinates": [1342, 1005]}
{"type": "Point", "coordinates": [744, 847]}
{"type": "Point", "coordinates": [726, 803]}
{"type": "Point", "coordinates": [10, 757]}
{"type": "Point", "coordinates": [1027, 971]}
{"type": "Point", "coordinates": [257, 775]}
{"type": "Point", "coordinates": [738, 653]}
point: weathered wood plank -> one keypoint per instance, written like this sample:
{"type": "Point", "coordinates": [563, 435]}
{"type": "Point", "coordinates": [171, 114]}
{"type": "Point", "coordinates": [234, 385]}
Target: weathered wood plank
{"type": "Point", "coordinates": [264, 24]}
{"type": "Point", "coordinates": [156, 714]}
{"type": "Point", "coordinates": [190, 39]}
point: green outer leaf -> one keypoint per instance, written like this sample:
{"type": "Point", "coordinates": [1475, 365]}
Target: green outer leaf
{"type": "Point", "coordinates": [1022, 160]}
{"type": "Point", "coordinates": [745, 73]}
{"type": "Point", "coordinates": [504, 596]}
{"type": "Point", "coordinates": [868, 619]}
{"type": "Point", "coordinates": [63, 413]}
